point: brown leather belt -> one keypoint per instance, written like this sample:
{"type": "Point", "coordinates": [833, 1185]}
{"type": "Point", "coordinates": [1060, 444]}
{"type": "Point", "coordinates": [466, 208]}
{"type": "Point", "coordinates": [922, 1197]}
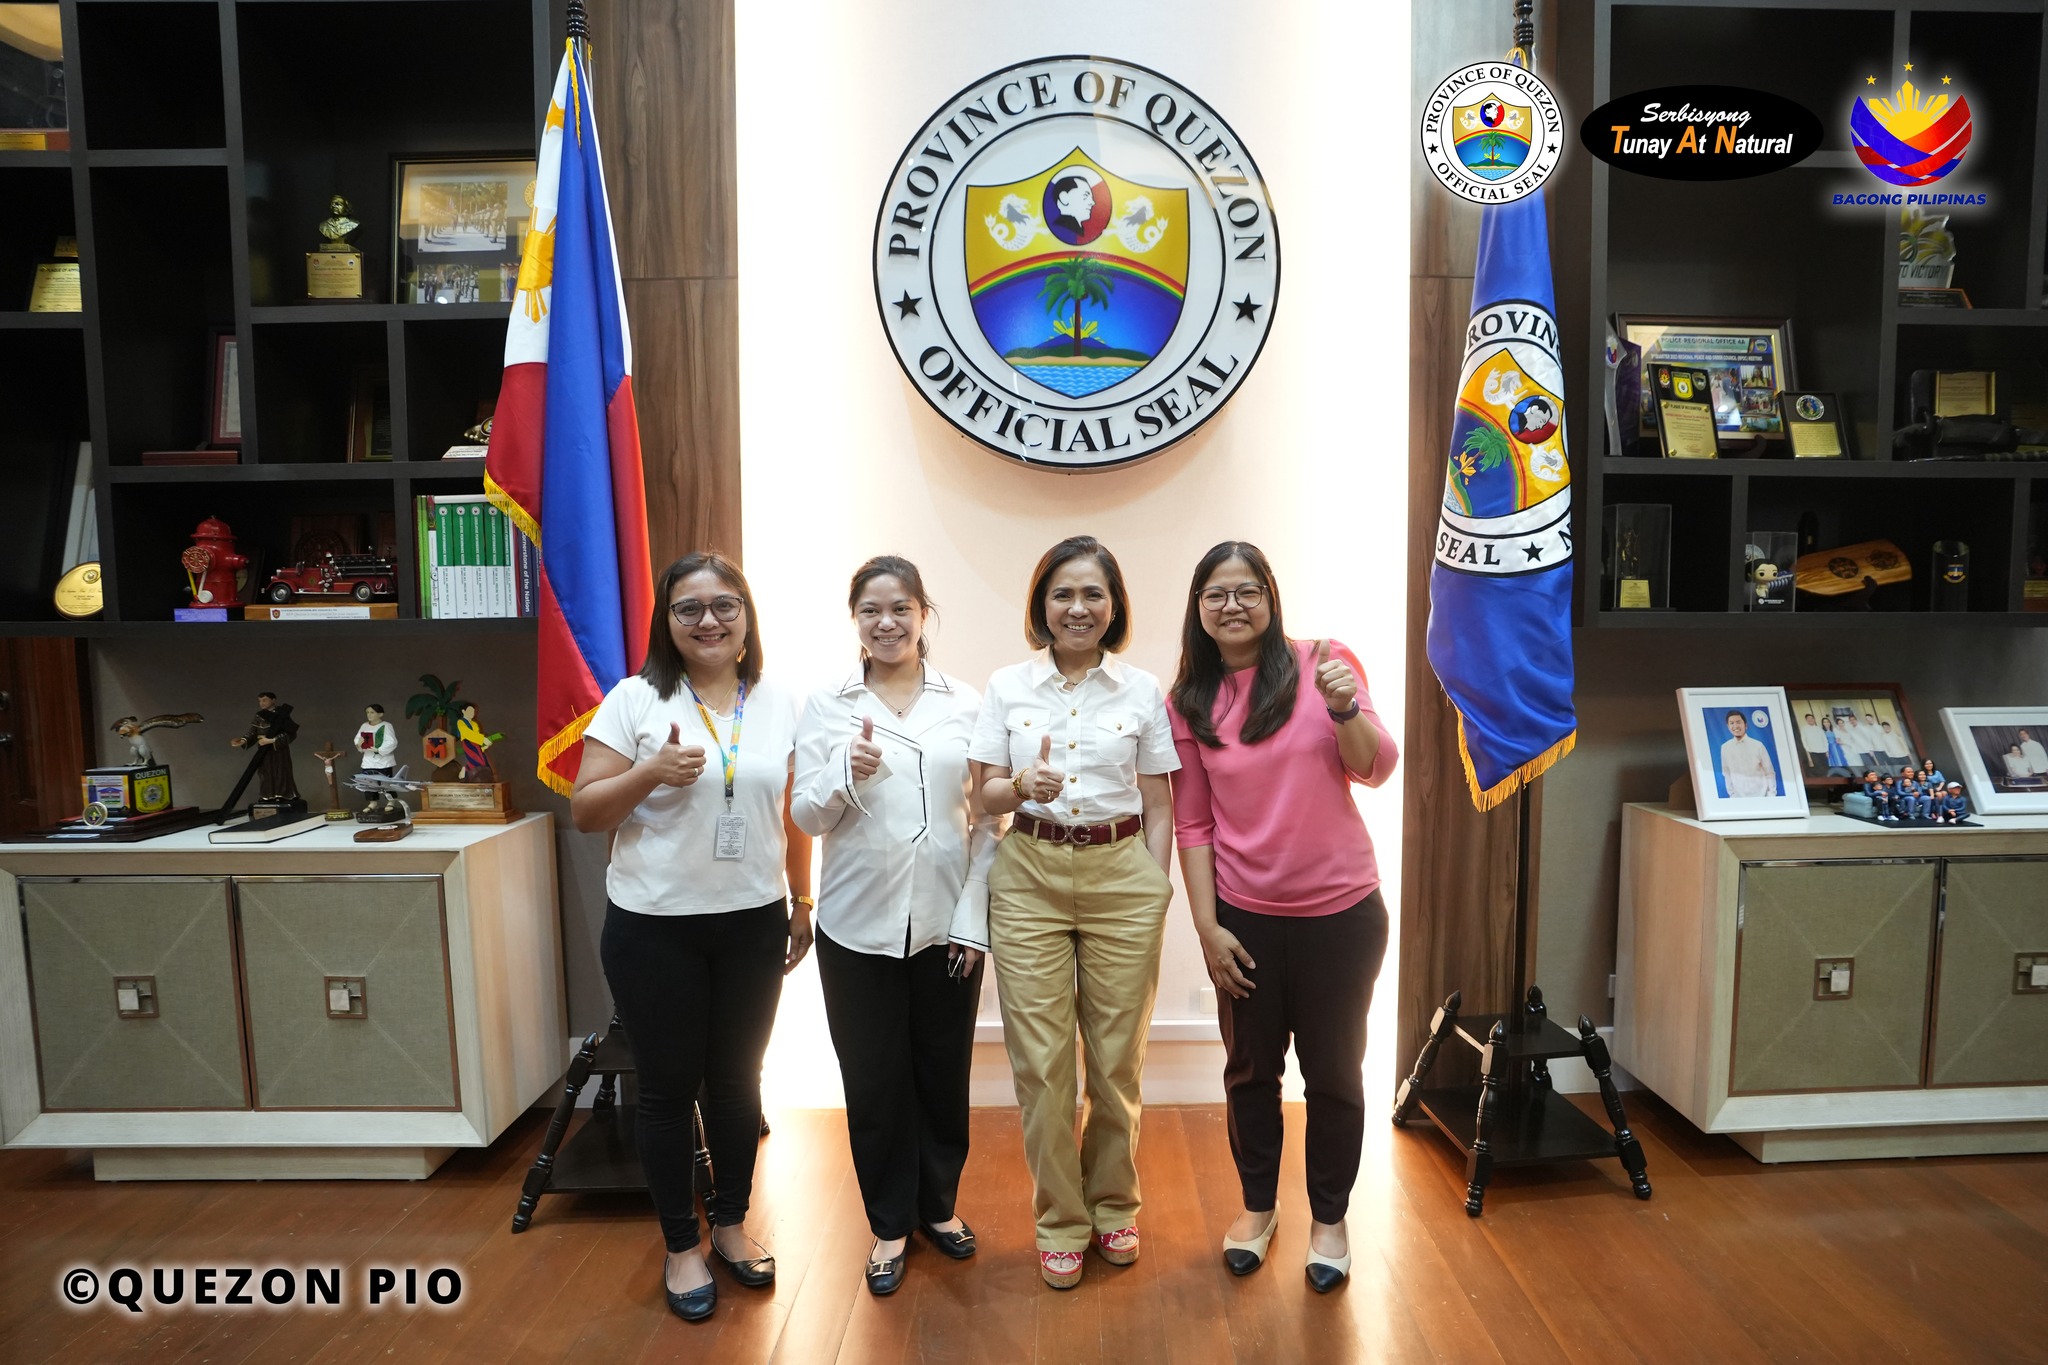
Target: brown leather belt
{"type": "Point", "coordinates": [1079, 834]}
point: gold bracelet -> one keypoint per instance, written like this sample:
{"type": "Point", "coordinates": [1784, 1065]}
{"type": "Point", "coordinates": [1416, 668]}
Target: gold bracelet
{"type": "Point", "coordinates": [1017, 785]}
{"type": "Point", "coordinates": [808, 902]}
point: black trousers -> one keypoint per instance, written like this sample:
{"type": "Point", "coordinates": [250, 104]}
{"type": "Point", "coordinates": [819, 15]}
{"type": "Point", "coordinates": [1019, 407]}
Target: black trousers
{"type": "Point", "coordinates": [697, 994]}
{"type": "Point", "coordinates": [1314, 979]}
{"type": "Point", "coordinates": [904, 1031]}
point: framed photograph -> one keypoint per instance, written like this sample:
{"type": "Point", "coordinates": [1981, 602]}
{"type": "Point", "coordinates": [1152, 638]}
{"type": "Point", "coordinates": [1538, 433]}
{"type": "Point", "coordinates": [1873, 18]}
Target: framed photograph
{"type": "Point", "coordinates": [1848, 729]}
{"type": "Point", "coordinates": [460, 223]}
{"type": "Point", "coordinates": [369, 415]}
{"type": "Point", "coordinates": [224, 392]}
{"type": "Point", "coordinates": [1748, 360]}
{"type": "Point", "coordinates": [1739, 744]}
{"type": "Point", "coordinates": [2003, 752]}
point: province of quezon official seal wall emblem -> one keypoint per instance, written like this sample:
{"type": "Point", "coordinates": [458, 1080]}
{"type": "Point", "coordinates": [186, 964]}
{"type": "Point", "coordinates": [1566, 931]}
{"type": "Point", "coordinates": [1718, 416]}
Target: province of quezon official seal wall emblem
{"type": "Point", "coordinates": [1076, 262]}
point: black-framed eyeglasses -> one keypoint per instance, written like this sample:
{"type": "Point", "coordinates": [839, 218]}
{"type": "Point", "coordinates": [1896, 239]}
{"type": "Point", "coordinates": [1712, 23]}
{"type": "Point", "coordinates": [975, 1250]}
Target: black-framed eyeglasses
{"type": "Point", "coordinates": [690, 611]}
{"type": "Point", "coordinates": [1249, 596]}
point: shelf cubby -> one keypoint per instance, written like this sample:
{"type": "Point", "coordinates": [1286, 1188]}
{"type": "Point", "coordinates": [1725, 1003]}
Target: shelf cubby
{"type": "Point", "coordinates": [42, 423]}
{"type": "Point", "coordinates": [305, 381]}
{"type": "Point", "coordinates": [39, 211]}
{"type": "Point", "coordinates": [451, 366]}
{"type": "Point", "coordinates": [150, 72]}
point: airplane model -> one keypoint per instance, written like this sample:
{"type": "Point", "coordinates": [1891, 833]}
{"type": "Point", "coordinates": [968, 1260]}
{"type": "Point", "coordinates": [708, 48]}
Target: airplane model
{"type": "Point", "coordinates": [385, 807]}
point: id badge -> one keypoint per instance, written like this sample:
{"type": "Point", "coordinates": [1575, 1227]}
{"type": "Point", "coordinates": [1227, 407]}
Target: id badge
{"type": "Point", "coordinates": [729, 843]}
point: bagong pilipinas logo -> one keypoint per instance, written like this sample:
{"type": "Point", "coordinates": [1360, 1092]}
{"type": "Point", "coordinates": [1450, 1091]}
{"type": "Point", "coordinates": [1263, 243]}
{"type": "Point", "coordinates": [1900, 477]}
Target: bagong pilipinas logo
{"type": "Point", "coordinates": [1507, 493]}
{"type": "Point", "coordinates": [1913, 138]}
{"type": "Point", "coordinates": [1492, 132]}
{"type": "Point", "coordinates": [1076, 262]}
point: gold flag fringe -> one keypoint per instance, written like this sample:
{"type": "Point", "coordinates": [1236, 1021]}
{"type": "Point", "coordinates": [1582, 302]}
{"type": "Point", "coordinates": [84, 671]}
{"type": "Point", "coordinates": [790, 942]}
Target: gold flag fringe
{"type": "Point", "coordinates": [518, 515]}
{"type": "Point", "coordinates": [1486, 799]}
{"type": "Point", "coordinates": [569, 736]}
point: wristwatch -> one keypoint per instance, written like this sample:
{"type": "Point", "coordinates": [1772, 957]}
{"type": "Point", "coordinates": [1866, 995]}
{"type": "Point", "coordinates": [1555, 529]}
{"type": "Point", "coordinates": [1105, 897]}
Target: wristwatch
{"type": "Point", "coordinates": [808, 902]}
{"type": "Point", "coordinates": [1017, 785]}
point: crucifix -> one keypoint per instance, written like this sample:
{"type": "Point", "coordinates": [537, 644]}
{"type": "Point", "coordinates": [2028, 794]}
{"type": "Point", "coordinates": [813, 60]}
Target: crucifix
{"type": "Point", "coordinates": [327, 755]}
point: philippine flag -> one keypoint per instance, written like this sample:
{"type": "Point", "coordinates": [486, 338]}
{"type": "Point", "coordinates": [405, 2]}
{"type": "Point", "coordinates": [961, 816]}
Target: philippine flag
{"type": "Point", "coordinates": [564, 459]}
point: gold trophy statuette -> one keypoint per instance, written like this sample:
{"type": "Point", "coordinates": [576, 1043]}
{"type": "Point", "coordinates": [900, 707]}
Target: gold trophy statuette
{"type": "Point", "coordinates": [56, 288]}
{"type": "Point", "coordinates": [335, 271]}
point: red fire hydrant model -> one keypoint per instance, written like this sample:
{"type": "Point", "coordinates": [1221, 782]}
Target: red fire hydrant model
{"type": "Point", "coordinates": [210, 562]}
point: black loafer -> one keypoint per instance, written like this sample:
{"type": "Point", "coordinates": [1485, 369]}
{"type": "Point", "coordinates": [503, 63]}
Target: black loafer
{"type": "Point", "coordinates": [696, 1304]}
{"type": "Point", "coordinates": [886, 1277]}
{"type": "Point", "coordinates": [959, 1245]}
{"type": "Point", "coordinates": [753, 1272]}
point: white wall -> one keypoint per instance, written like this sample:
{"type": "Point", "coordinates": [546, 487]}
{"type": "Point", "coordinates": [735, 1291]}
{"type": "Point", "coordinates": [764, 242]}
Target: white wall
{"type": "Point", "coordinates": [842, 459]}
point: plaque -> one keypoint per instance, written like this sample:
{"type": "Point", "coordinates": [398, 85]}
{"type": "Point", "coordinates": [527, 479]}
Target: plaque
{"type": "Point", "coordinates": [1965, 393]}
{"type": "Point", "coordinates": [1636, 567]}
{"type": "Point", "coordinates": [1934, 298]}
{"type": "Point", "coordinates": [465, 803]}
{"type": "Point", "coordinates": [1813, 424]}
{"type": "Point", "coordinates": [81, 592]}
{"type": "Point", "coordinates": [1685, 413]}
{"type": "Point", "coordinates": [335, 271]}
{"type": "Point", "coordinates": [57, 288]}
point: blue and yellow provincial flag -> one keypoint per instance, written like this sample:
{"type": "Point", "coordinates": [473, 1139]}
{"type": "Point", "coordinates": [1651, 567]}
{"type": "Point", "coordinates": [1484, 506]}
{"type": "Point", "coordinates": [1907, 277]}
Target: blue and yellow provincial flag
{"type": "Point", "coordinates": [1500, 589]}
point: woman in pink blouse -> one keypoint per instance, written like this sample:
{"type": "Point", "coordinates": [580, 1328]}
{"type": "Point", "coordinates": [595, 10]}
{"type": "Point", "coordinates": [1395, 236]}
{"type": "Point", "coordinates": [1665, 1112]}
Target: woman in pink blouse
{"type": "Point", "coordinates": [1282, 884]}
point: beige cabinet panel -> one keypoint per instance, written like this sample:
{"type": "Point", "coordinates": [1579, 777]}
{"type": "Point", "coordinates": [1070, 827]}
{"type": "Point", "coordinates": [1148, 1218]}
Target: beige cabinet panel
{"type": "Point", "coordinates": [1987, 1032]}
{"type": "Point", "coordinates": [392, 1046]}
{"type": "Point", "coordinates": [1878, 917]}
{"type": "Point", "coordinates": [175, 1041]}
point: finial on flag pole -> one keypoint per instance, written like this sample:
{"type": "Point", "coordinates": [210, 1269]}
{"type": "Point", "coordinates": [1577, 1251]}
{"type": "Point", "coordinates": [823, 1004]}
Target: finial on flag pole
{"type": "Point", "coordinates": [1522, 53]}
{"type": "Point", "coordinates": [578, 21]}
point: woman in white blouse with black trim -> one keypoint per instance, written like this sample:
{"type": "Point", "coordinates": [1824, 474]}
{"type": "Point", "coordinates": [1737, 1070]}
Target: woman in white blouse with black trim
{"type": "Point", "coordinates": [882, 776]}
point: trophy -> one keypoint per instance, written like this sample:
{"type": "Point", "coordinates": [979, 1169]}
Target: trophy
{"type": "Point", "coordinates": [335, 271]}
{"type": "Point", "coordinates": [477, 797]}
{"type": "Point", "coordinates": [476, 443]}
{"type": "Point", "coordinates": [56, 289]}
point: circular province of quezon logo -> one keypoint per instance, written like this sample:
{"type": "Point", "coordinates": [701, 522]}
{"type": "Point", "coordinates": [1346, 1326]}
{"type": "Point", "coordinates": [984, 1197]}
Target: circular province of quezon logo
{"type": "Point", "coordinates": [1492, 132]}
{"type": "Point", "coordinates": [1076, 262]}
{"type": "Point", "coordinates": [1507, 494]}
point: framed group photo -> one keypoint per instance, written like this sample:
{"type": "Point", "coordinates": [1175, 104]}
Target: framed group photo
{"type": "Point", "coordinates": [1740, 746]}
{"type": "Point", "coordinates": [1747, 360]}
{"type": "Point", "coordinates": [1849, 729]}
{"type": "Point", "coordinates": [2003, 754]}
{"type": "Point", "coordinates": [460, 226]}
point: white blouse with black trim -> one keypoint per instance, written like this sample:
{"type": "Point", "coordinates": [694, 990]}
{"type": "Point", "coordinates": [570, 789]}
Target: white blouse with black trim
{"type": "Point", "coordinates": [905, 863]}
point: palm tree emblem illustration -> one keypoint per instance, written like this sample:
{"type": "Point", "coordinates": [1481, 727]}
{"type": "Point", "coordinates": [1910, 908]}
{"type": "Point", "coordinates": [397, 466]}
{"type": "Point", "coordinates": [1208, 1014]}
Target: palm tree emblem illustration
{"type": "Point", "coordinates": [1077, 280]}
{"type": "Point", "coordinates": [1489, 147]}
{"type": "Point", "coordinates": [1484, 449]}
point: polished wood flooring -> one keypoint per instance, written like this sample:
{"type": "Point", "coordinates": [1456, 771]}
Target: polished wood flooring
{"type": "Point", "coordinates": [1930, 1260]}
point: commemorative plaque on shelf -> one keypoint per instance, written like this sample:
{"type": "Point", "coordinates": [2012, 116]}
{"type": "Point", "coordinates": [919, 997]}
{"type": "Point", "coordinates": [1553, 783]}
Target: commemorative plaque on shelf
{"type": "Point", "coordinates": [1684, 400]}
{"type": "Point", "coordinates": [1636, 567]}
{"type": "Point", "coordinates": [57, 288]}
{"type": "Point", "coordinates": [464, 803]}
{"type": "Point", "coordinates": [1813, 425]}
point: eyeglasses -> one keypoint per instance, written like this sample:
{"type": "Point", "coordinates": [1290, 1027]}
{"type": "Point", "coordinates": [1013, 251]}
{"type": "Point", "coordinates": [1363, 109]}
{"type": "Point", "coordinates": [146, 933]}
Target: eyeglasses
{"type": "Point", "coordinates": [690, 611]}
{"type": "Point", "coordinates": [1249, 596]}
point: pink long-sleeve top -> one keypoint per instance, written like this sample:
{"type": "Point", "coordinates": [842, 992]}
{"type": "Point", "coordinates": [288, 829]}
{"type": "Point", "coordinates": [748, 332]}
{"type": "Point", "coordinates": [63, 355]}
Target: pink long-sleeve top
{"type": "Point", "coordinates": [1278, 814]}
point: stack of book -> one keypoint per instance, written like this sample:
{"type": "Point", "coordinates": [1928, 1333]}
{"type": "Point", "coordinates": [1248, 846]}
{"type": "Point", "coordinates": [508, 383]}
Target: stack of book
{"type": "Point", "coordinates": [473, 561]}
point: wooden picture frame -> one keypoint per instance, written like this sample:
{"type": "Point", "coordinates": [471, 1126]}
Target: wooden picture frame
{"type": "Point", "coordinates": [224, 391]}
{"type": "Point", "coordinates": [1731, 350]}
{"type": "Point", "coordinates": [1975, 732]}
{"type": "Point", "coordinates": [1726, 784]}
{"type": "Point", "coordinates": [1828, 703]}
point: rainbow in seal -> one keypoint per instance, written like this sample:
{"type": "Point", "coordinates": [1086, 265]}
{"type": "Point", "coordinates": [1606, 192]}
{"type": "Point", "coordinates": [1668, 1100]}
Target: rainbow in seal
{"type": "Point", "coordinates": [1076, 276]}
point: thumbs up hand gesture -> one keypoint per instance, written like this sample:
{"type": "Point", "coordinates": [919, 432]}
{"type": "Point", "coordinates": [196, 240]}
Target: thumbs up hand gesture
{"type": "Point", "coordinates": [1335, 680]}
{"type": "Point", "coordinates": [1041, 781]}
{"type": "Point", "coordinates": [676, 766]}
{"type": "Point", "coordinates": [864, 756]}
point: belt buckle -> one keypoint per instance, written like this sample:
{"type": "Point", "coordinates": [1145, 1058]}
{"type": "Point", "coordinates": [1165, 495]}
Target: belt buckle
{"type": "Point", "coordinates": [1080, 835]}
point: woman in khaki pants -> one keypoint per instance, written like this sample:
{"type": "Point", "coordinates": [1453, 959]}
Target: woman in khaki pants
{"type": "Point", "coordinates": [1078, 745]}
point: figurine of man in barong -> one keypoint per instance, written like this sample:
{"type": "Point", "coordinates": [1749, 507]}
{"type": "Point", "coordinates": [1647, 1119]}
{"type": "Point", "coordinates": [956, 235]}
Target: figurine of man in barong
{"type": "Point", "coordinates": [376, 741]}
{"type": "Point", "coordinates": [338, 225]}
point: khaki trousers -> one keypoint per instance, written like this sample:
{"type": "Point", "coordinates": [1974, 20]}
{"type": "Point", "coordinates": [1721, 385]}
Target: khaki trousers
{"type": "Point", "coordinates": [1075, 933]}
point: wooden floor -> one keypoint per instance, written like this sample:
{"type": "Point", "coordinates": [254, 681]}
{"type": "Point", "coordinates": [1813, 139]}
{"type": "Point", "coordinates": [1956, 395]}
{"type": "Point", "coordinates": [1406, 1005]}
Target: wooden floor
{"type": "Point", "coordinates": [1932, 1260]}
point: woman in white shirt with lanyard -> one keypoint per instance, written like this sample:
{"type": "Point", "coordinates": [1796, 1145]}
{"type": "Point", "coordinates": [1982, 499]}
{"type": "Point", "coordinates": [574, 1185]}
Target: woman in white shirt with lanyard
{"type": "Point", "coordinates": [1078, 745]}
{"type": "Point", "coordinates": [882, 777]}
{"type": "Point", "coordinates": [698, 933]}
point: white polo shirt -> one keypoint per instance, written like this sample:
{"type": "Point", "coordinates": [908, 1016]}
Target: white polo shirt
{"type": "Point", "coordinates": [661, 857]}
{"type": "Point", "coordinates": [1108, 730]}
{"type": "Point", "coordinates": [905, 866]}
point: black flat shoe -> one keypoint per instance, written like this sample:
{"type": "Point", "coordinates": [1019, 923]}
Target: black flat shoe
{"type": "Point", "coordinates": [886, 1277]}
{"type": "Point", "coordinates": [694, 1305]}
{"type": "Point", "coordinates": [959, 1245]}
{"type": "Point", "coordinates": [754, 1272]}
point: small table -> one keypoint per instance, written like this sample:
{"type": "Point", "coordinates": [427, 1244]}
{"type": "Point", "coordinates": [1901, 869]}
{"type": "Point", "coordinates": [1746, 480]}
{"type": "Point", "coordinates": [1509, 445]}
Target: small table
{"type": "Point", "coordinates": [1513, 1117]}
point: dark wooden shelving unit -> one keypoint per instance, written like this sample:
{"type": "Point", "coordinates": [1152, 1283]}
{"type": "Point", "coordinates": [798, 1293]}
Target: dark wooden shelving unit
{"type": "Point", "coordinates": [206, 139]}
{"type": "Point", "coordinates": [1773, 246]}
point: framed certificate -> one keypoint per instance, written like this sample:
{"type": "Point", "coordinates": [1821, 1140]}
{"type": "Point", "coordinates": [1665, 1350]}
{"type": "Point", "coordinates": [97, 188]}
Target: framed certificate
{"type": "Point", "coordinates": [1685, 412]}
{"type": "Point", "coordinates": [1748, 360]}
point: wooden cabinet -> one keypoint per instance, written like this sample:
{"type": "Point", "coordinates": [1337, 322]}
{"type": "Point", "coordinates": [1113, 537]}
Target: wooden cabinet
{"type": "Point", "coordinates": [1820, 988]}
{"type": "Point", "coordinates": [316, 1008]}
